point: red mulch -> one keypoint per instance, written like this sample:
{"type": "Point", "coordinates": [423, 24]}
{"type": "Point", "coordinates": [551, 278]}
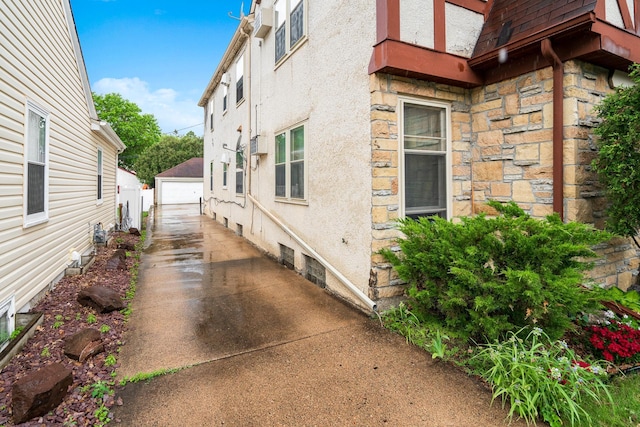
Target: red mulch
{"type": "Point", "coordinates": [78, 407]}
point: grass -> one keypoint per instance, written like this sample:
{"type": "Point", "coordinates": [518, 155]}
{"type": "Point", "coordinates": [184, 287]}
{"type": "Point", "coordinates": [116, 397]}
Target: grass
{"type": "Point", "coordinates": [625, 392]}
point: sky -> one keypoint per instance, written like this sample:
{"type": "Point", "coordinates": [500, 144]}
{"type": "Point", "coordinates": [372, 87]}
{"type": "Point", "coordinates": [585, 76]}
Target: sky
{"type": "Point", "coordinates": [159, 54]}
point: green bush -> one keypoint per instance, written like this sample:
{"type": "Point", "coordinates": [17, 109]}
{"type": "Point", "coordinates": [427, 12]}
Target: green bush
{"type": "Point", "coordinates": [485, 276]}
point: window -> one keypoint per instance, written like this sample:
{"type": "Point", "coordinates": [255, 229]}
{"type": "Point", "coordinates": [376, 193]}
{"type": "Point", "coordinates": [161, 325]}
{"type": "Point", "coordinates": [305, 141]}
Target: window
{"type": "Point", "coordinates": [225, 168]}
{"type": "Point", "coordinates": [211, 176]}
{"type": "Point", "coordinates": [294, 25]}
{"type": "Point", "coordinates": [290, 170]}
{"type": "Point", "coordinates": [36, 165]}
{"type": "Point", "coordinates": [240, 79]}
{"type": "Point", "coordinates": [239, 172]}
{"type": "Point", "coordinates": [425, 159]}
{"type": "Point", "coordinates": [99, 175]}
{"type": "Point", "coordinates": [225, 92]}
{"type": "Point", "coordinates": [210, 114]}
{"type": "Point", "coordinates": [7, 321]}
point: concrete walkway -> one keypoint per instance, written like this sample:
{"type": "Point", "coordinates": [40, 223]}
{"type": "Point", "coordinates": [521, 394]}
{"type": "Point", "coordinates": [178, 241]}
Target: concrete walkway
{"type": "Point", "coordinates": [265, 347]}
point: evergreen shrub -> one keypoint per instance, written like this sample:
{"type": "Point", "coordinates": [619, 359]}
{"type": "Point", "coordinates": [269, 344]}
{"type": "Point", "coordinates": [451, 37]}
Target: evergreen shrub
{"type": "Point", "coordinates": [484, 276]}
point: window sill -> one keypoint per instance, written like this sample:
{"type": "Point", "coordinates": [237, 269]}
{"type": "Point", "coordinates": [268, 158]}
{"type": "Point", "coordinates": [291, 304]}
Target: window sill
{"type": "Point", "coordinates": [99, 202]}
{"type": "Point", "coordinates": [299, 202]}
{"type": "Point", "coordinates": [239, 103]}
{"type": "Point", "coordinates": [35, 221]}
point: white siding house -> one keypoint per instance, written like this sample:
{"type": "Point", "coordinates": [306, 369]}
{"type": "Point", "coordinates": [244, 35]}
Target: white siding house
{"type": "Point", "coordinates": [328, 120]}
{"type": "Point", "coordinates": [57, 160]}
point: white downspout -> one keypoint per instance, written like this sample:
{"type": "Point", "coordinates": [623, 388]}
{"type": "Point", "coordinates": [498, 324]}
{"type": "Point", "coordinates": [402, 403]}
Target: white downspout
{"type": "Point", "coordinates": [353, 288]}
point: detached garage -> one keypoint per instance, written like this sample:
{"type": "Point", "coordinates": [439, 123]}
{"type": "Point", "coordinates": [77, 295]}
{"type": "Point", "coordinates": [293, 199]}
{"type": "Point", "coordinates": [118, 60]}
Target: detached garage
{"type": "Point", "coordinates": [181, 184]}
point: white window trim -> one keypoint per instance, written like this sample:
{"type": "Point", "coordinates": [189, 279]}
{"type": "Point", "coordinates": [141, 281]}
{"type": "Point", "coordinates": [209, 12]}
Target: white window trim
{"type": "Point", "coordinates": [240, 76]}
{"type": "Point", "coordinates": [289, 50]}
{"type": "Point", "coordinates": [287, 198]}
{"type": "Point", "coordinates": [40, 217]}
{"type": "Point", "coordinates": [225, 103]}
{"type": "Point", "coordinates": [448, 162]}
{"type": "Point", "coordinates": [225, 176]}
{"type": "Point", "coordinates": [100, 172]}
{"type": "Point", "coordinates": [8, 306]}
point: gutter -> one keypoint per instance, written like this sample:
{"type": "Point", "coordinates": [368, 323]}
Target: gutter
{"type": "Point", "coordinates": [558, 122]}
{"type": "Point", "coordinates": [103, 129]}
{"type": "Point", "coordinates": [353, 288]}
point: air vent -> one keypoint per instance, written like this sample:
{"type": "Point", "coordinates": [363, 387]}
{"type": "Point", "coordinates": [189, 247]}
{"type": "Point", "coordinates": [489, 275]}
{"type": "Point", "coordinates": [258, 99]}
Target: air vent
{"type": "Point", "coordinates": [258, 146]}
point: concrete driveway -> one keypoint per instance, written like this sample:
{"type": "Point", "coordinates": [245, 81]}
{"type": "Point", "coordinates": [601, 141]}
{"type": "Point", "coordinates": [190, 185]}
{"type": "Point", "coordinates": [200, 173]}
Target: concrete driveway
{"type": "Point", "coordinates": [265, 347]}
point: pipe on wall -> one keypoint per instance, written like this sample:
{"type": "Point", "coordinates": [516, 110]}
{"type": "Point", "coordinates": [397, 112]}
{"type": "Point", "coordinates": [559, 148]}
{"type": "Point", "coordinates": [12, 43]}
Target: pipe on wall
{"type": "Point", "coordinates": [558, 124]}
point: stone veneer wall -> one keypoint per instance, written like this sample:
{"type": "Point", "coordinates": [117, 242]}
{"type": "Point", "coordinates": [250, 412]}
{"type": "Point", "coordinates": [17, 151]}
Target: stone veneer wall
{"type": "Point", "coordinates": [502, 147]}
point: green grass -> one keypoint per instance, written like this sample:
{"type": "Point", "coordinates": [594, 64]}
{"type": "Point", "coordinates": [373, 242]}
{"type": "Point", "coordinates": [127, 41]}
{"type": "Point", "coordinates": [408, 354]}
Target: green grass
{"type": "Point", "coordinates": [625, 392]}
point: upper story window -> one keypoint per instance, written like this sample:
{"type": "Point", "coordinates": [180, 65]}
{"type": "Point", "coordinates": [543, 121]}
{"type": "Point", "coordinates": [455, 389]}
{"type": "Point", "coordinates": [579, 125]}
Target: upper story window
{"type": "Point", "coordinates": [240, 79]}
{"type": "Point", "coordinates": [36, 165]}
{"type": "Point", "coordinates": [210, 114]}
{"type": "Point", "coordinates": [426, 157]}
{"type": "Point", "coordinates": [291, 175]}
{"type": "Point", "coordinates": [99, 175]}
{"type": "Point", "coordinates": [289, 20]}
{"type": "Point", "coordinates": [225, 96]}
{"type": "Point", "coordinates": [239, 172]}
{"type": "Point", "coordinates": [211, 176]}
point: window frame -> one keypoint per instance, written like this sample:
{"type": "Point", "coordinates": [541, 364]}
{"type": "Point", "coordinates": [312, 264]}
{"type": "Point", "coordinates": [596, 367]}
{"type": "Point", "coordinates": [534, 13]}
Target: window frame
{"type": "Point", "coordinates": [446, 153]}
{"type": "Point", "coordinates": [210, 114]}
{"type": "Point", "coordinates": [240, 79]}
{"type": "Point", "coordinates": [31, 219]}
{"type": "Point", "coordinates": [288, 164]}
{"type": "Point", "coordinates": [225, 175]}
{"type": "Point", "coordinates": [239, 173]}
{"type": "Point", "coordinates": [225, 98]}
{"type": "Point", "coordinates": [100, 175]}
{"type": "Point", "coordinates": [289, 47]}
{"type": "Point", "coordinates": [211, 176]}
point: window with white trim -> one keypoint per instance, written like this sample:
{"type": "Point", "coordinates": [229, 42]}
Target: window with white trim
{"type": "Point", "coordinates": [99, 174]}
{"type": "Point", "coordinates": [291, 176]}
{"type": "Point", "coordinates": [211, 176]}
{"type": "Point", "coordinates": [289, 19]}
{"type": "Point", "coordinates": [36, 165]}
{"type": "Point", "coordinates": [239, 172]}
{"type": "Point", "coordinates": [225, 168]}
{"type": "Point", "coordinates": [210, 114]}
{"type": "Point", "coordinates": [426, 159]}
{"type": "Point", "coordinates": [225, 97]}
{"type": "Point", "coordinates": [7, 321]}
{"type": "Point", "coordinates": [240, 79]}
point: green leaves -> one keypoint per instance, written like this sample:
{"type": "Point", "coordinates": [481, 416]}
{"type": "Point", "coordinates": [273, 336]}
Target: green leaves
{"type": "Point", "coordinates": [138, 131]}
{"type": "Point", "coordinates": [482, 277]}
{"type": "Point", "coordinates": [618, 161]}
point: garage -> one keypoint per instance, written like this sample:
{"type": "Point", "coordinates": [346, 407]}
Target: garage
{"type": "Point", "coordinates": [182, 184]}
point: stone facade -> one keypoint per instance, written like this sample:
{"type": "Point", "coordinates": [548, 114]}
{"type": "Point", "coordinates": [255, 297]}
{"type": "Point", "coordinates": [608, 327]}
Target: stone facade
{"type": "Point", "coordinates": [501, 149]}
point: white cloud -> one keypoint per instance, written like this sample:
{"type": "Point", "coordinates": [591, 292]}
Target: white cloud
{"type": "Point", "coordinates": [171, 110]}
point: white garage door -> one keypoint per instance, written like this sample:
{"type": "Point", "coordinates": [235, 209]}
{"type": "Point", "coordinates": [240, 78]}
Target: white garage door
{"type": "Point", "coordinates": [179, 193]}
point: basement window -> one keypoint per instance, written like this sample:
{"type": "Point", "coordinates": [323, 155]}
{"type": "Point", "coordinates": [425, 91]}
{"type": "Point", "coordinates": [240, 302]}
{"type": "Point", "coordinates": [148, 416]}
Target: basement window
{"type": "Point", "coordinates": [287, 257]}
{"type": "Point", "coordinates": [7, 321]}
{"type": "Point", "coordinates": [315, 272]}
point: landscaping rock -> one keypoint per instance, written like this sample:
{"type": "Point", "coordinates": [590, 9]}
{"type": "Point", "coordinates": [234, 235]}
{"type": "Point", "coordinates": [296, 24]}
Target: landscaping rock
{"type": "Point", "coordinates": [83, 344]}
{"type": "Point", "coordinates": [134, 231]}
{"type": "Point", "coordinates": [127, 246]}
{"type": "Point", "coordinates": [39, 392]}
{"type": "Point", "coordinates": [101, 298]}
{"type": "Point", "coordinates": [118, 260]}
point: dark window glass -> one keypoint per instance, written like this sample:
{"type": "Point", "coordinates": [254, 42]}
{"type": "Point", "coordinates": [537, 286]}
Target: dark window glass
{"type": "Point", "coordinates": [35, 181]}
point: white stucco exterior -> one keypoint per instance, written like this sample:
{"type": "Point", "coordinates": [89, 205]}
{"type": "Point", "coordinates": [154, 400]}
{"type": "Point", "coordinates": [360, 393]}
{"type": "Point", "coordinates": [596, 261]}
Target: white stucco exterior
{"type": "Point", "coordinates": [461, 37]}
{"type": "Point", "coordinates": [417, 22]}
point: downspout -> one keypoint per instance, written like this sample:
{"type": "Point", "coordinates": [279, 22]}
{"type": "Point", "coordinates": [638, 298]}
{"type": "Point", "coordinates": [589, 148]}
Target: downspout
{"type": "Point", "coordinates": [248, 163]}
{"type": "Point", "coordinates": [353, 288]}
{"type": "Point", "coordinates": [558, 123]}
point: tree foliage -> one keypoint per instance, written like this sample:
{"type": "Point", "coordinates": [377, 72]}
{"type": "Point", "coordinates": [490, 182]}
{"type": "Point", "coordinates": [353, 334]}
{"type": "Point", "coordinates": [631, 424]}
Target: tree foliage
{"type": "Point", "coordinates": [169, 152]}
{"type": "Point", "coordinates": [618, 160]}
{"type": "Point", "coordinates": [483, 277]}
{"type": "Point", "coordinates": [138, 131]}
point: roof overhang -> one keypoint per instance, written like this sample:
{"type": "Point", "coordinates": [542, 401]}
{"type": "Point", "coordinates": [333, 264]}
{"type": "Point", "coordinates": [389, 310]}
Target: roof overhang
{"type": "Point", "coordinates": [104, 130]}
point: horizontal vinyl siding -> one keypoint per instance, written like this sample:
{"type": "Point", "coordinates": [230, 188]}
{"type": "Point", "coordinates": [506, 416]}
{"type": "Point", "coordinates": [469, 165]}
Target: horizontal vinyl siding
{"type": "Point", "coordinates": [37, 63]}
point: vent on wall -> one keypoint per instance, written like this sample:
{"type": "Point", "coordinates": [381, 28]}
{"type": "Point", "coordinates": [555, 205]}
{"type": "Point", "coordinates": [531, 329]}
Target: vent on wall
{"type": "Point", "coordinates": [258, 146]}
{"type": "Point", "coordinates": [263, 22]}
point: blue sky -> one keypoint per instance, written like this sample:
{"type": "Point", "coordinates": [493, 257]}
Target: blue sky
{"type": "Point", "coordinates": [159, 54]}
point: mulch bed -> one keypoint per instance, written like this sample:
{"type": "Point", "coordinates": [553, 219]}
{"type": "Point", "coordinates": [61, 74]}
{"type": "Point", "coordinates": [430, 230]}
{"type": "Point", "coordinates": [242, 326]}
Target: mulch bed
{"type": "Point", "coordinates": [64, 316]}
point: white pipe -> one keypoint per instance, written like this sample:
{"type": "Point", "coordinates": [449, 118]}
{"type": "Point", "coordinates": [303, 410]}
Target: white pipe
{"type": "Point", "coordinates": [353, 288]}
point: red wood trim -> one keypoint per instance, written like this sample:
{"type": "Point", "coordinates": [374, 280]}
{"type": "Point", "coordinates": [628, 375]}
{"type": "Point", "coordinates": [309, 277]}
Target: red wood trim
{"type": "Point", "coordinates": [626, 16]}
{"type": "Point", "coordinates": [477, 6]}
{"type": "Point", "coordinates": [487, 9]}
{"type": "Point", "coordinates": [387, 20]}
{"type": "Point", "coordinates": [439, 26]}
{"type": "Point", "coordinates": [404, 59]}
{"type": "Point", "coordinates": [618, 42]}
{"type": "Point", "coordinates": [636, 9]}
{"type": "Point", "coordinates": [601, 9]}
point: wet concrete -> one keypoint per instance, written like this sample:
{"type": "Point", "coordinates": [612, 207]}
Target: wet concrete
{"type": "Point", "coordinates": [266, 347]}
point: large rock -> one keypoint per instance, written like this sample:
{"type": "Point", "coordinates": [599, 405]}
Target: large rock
{"type": "Point", "coordinates": [39, 392]}
{"type": "Point", "coordinates": [101, 298]}
{"type": "Point", "coordinates": [118, 260]}
{"type": "Point", "coordinates": [134, 231]}
{"type": "Point", "coordinates": [83, 344]}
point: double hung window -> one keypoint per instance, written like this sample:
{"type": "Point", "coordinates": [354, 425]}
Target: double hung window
{"type": "Point", "coordinates": [36, 165]}
{"type": "Point", "coordinates": [425, 159]}
{"type": "Point", "coordinates": [240, 79]}
{"type": "Point", "coordinates": [289, 19]}
{"type": "Point", "coordinates": [225, 97]}
{"type": "Point", "coordinates": [99, 175]}
{"type": "Point", "coordinates": [239, 172]}
{"type": "Point", "coordinates": [225, 169]}
{"type": "Point", "coordinates": [290, 164]}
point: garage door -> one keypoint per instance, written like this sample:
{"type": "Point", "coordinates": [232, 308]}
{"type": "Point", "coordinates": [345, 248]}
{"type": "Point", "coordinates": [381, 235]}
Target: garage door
{"type": "Point", "coordinates": [178, 193]}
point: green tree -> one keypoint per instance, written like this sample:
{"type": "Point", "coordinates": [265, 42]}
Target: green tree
{"type": "Point", "coordinates": [138, 131]}
{"type": "Point", "coordinates": [618, 159]}
{"type": "Point", "coordinates": [169, 152]}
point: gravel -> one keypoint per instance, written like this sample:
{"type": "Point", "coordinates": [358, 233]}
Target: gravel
{"type": "Point", "coordinates": [64, 316]}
